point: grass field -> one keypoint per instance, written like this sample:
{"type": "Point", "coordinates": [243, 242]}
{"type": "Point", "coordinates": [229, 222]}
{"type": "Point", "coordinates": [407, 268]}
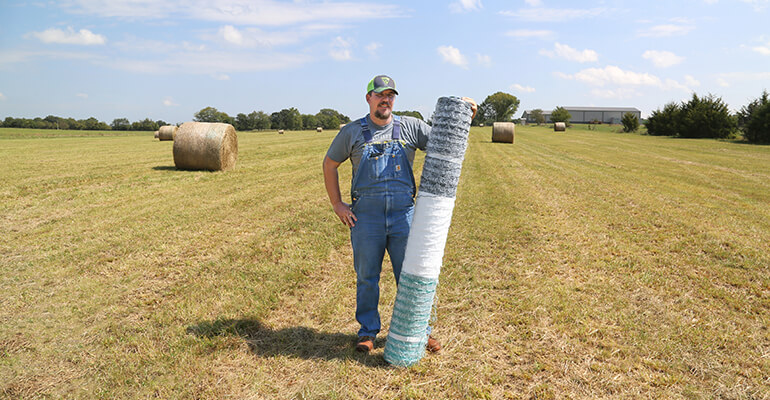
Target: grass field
{"type": "Point", "coordinates": [585, 264]}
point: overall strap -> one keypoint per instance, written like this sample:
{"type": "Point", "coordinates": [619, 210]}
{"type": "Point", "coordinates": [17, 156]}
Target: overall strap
{"type": "Point", "coordinates": [396, 127]}
{"type": "Point", "coordinates": [368, 134]}
{"type": "Point", "coordinates": [365, 129]}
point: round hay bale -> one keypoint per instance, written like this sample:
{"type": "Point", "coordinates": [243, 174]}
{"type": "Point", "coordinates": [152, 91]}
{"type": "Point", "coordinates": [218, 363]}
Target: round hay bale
{"type": "Point", "coordinates": [503, 132]}
{"type": "Point", "coordinates": [205, 145]}
{"type": "Point", "coordinates": [280, 131]}
{"type": "Point", "coordinates": [156, 135]}
{"type": "Point", "coordinates": [319, 129]}
{"type": "Point", "coordinates": [559, 127]}
{"type": "Point", "coordinates": [167, 132]}
{"type": "Point", "coordinates": [342, 126]}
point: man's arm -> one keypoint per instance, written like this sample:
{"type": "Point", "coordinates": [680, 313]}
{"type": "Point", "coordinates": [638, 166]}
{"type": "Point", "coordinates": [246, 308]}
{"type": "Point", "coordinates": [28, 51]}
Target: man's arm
{"type": "Point", "coordinates": [332, 183]}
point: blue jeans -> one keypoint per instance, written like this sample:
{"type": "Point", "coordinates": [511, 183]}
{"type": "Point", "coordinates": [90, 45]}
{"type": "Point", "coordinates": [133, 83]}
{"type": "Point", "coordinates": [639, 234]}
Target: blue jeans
{"type": "Point", "coordinates": [383, 224]}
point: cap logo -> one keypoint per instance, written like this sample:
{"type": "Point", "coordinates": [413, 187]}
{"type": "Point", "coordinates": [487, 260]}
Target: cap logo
{"type": "Point", "coordinates": [386, 81]}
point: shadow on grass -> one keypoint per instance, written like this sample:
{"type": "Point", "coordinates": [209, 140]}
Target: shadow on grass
{"type": "Point", "coordinates": [299, 341]}
{"type": "Point", "coordinates": [165, 168]}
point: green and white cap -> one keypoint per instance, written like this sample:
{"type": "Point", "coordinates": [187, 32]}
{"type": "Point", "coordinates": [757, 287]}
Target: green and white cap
{"type": "Point", "coordinates": [381, 83]}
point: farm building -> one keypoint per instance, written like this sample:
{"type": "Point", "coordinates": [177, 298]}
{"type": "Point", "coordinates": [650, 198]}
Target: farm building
{"type": "Point", "coordinates": [584, 115]}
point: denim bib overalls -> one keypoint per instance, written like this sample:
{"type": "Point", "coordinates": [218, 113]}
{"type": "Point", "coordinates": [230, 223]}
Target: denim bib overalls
{"type": "Point", "coordinates": [382, 191]}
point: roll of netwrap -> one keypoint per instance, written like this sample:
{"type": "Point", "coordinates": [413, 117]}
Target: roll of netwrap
{"type": "Point", "coordinates": [427, 237]}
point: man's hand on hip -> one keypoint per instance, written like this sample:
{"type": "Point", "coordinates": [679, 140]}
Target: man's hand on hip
{"type": "Point", "coordinates": [345, 213]}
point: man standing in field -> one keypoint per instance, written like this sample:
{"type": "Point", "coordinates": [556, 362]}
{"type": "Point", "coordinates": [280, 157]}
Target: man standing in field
{"type": "Point", "coordinates": [381, 148]}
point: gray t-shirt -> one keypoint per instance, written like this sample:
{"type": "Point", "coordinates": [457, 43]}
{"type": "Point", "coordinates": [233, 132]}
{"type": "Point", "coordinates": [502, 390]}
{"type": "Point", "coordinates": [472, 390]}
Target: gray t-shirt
{"type": "Point", "coordinates": [349, 142]}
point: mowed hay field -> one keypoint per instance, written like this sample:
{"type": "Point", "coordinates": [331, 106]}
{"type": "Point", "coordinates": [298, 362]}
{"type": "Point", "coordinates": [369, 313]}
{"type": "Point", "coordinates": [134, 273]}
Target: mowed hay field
{"type": "Point", "coordinates": [585, 264]}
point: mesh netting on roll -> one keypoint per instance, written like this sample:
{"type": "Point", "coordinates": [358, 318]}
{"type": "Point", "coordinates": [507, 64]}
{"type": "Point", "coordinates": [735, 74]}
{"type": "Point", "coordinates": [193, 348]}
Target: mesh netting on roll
{"type": "Point", "coordinates": [427, 237]}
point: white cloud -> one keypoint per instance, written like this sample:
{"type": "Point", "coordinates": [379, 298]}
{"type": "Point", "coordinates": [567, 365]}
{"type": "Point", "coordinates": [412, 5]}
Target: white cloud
{"type": "Point", "coordinates": [372, 48]}
{"type": "Point", "coordinates": [453, 56]}
{"type": "Point", "coordinates": [758, 5]}
{"type": "Point", "coordinates": [662, 59]}
{"type": "Point", "coordinates": [529, 33]}
{"type": "Point", "coordinates": [520, 88]}
{"type": "Point", "coordinates": [238, 12]}
{"type": "Point", "coordinates": [762, 49]}
{"type": "Point", "coordinates": [254, 37]}
{"type": "Point", "coordinates": [14, 57]}
{"type": "Point", "coordinates": [690, 81]}
{"type": "Point", "coordinates": [193, 47]}
{"type": "Point", "coordinates": [220, 76]}
{"type": "Point", "coordinates": [81, 37]}
{"type": "Point", "coordinates": [534, 3]}
{"type": "Point", "coordinates": [465, 6]}
{"type": "Point", "coordinates": [666, 30]}
{"type": "Point", "coordinates": [212, 63]}
{"type": "Point", "coordinates": [82, 95]}
{"type": "Point", "coordinates": [340, 49]}
{"type": "Point", "coordinates": [568, 53]}
{"type": "Point", "coordinates": [619, 93]}
{"type": "Point", "coordinates": [612, 75]}
{"type": "Point", "coordinates": [231, 35]}
{"type": "Point", "coordinates": [484, 60]}
{"type": "Point", "coordinates": [726, 79]}
{"type": "Point", "coordinates": [553, 14]}
{"type": "Point", "coordinates": [169, 102]}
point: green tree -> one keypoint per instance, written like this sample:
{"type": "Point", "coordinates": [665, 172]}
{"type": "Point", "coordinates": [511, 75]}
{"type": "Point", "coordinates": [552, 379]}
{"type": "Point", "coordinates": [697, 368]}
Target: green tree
{"type": "Point", "coordinates": [211, 114]}
{"type": "Point", "coordinates": [93, 124]}
{"type": "Point", "coordinates": [243, 122]}
{"type": "Point", "coordinates": [706, 117]}
{"type": "Point", "coordinates": [754, 119]}
{"type": "Point", "coordinates": [538, 116]}
{"type": "Point", "coordinates": [145, 125]}
{"type": "Point", "coordinates": [310, 122]}
{"type": "Point", "coordinates": [630, 122]}
{"type": "Point", "coordinates": [415, 114]}
{"type": "Point", "coordinates": [120, 124]}
{"type": "Point", "coordinates": [664, 122]}
{"type": "Point", "coordinates": [288, 118]}
{"type": "Point", "coordinates": [331, 119]}
{"type": "Point", "coordinates": [499, 107]}
{"type": "Point", "coordinates": [560, 114]}
{"type": "Point", "coordinates": [261, 119]}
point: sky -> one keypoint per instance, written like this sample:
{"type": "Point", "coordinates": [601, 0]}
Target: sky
{"type": "Point", "coordinates": [168, 59]}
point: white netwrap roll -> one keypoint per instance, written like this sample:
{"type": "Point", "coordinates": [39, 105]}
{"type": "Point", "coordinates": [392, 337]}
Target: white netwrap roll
{"type": "Point", "coordinates": [427, 236]}
{"type": "Point", "coordinates": [432, 216]}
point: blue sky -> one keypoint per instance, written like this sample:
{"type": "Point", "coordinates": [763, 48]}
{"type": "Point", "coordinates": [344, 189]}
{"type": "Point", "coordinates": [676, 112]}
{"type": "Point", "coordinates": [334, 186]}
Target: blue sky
{"type": "Point", "coordinates": [168, 59]}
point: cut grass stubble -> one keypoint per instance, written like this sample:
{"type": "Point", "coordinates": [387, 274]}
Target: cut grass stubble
{"type": "Point", "coordinates": [579, 264]}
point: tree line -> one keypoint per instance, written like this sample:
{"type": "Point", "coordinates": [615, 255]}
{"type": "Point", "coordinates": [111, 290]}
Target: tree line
{"type": "Point", "coordinates": [709, 117]}
{"type": "Point", "coordinates": [288, 118]}
{"type": "Point", "coordinates": [496, 107]}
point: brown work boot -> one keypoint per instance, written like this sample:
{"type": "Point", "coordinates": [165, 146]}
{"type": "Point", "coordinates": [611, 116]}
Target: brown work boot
{"type": "Point", "coordinates": [365, 344]}
{"type": "Point", "coordinates": [433, 345]}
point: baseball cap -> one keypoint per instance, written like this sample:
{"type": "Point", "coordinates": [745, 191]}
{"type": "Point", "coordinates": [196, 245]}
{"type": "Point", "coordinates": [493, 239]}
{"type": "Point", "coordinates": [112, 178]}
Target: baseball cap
{"type": "Point", "coordinates": [381, 83]}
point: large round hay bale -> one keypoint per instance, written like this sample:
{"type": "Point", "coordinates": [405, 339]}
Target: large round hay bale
{"type": "Point", "coordinates": [167, 132]}
{"type": "Point", "coordinates": [205, 145]}
{"type": "Point", "coordinates": [503, 132]}
{"type": "Point", "coordinates": [559, 127]}
{"type": "Point", "coordinates": [319, 129]}
{"type": "Point", "coordinates": [280, 131]}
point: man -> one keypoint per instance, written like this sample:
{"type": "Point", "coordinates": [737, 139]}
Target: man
{"type": "Point", "coordinates": [381, 148]}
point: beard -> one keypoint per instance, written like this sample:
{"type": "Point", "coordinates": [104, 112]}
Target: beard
{"type": "Point", "coordinates": [380, 115]}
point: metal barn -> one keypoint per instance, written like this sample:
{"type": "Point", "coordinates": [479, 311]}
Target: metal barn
{"type": "Point", "coordinates": [585, 115]}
